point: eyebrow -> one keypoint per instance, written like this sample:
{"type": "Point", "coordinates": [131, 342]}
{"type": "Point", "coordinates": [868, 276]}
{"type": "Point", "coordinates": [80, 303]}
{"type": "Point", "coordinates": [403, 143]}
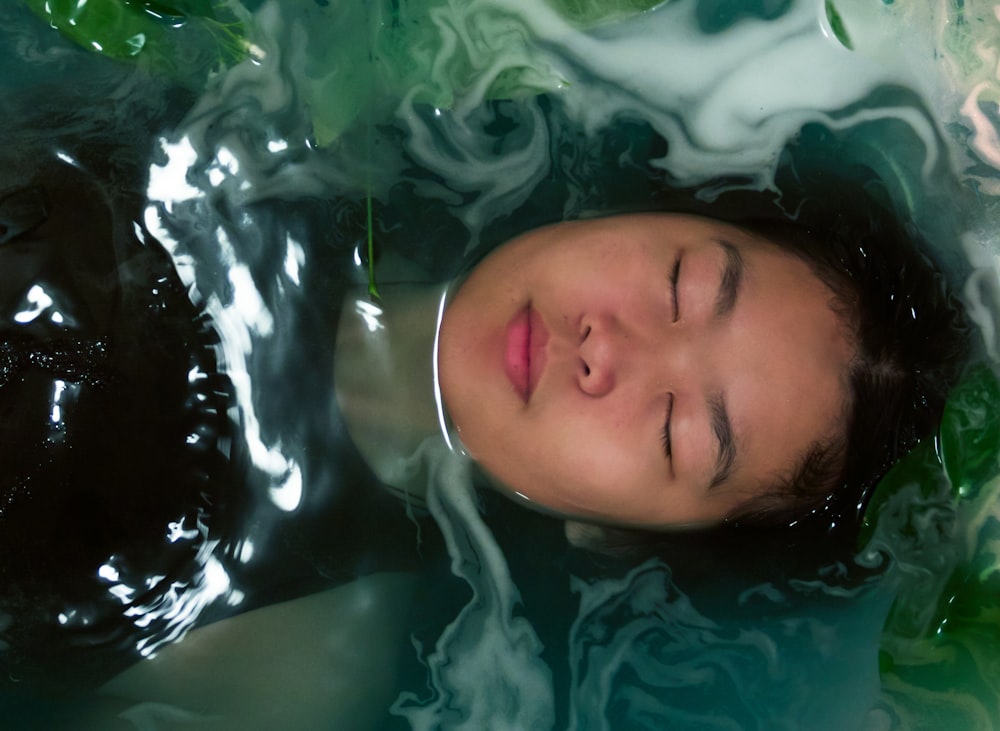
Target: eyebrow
{"type": "Point", "coordinates": [722, 427]}
{"type": "Point", "coordinates": [732, 278]}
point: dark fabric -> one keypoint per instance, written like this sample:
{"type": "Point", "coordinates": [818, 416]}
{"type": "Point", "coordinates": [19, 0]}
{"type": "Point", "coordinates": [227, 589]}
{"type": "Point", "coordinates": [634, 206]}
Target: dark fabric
{"type": "Point", "coordinates": [121, 443]}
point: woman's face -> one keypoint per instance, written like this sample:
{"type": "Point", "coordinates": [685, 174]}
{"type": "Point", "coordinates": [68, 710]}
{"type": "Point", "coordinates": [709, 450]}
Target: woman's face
{"type": "Point", "coordinates": [647, 370]}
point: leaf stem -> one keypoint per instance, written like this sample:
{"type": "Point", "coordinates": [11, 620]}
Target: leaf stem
{"type": "Point", "coordinates": [372, 287]}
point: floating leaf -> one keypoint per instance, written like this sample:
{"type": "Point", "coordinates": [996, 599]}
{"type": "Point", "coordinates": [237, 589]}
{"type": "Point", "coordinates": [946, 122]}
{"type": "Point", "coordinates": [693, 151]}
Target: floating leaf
{"type": "Point", "coordinates": [966, 453]}
{"type": "Point", "coordinates": [941, 632]}
{"type": "Point", "coordinates": [362, 58]}
{"type": "Point", "coordinates": [837, 25]}
{"type": "Point", "coordinates": [970, 432]}
{"type": "Point", "coordinates": [181, 38]}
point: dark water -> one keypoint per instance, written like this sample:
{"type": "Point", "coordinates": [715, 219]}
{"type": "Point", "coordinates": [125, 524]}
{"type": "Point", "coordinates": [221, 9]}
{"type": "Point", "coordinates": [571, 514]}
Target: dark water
{"type": "Point", "coordinates": [182, 216]}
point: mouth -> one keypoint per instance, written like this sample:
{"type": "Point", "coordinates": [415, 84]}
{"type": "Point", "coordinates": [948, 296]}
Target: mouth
{"type": "Point", "coordinates": [524, 352]}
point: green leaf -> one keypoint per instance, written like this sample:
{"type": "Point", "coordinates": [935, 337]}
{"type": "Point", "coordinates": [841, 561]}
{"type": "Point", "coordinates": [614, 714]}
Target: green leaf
{"type": "Point", "coordinates": [920, 467]}
{"type": "Point", "coordinates": [112, 28]}
{"type": "Point", "coordinates": [837, 26]}
{"type": "Point", "coordinates": [184, 39]}
{"type": "Point", "coordinates": [970, 432]}
{"type": "Point", "coordinates": [363, 58]}
{"type": "Point", "coordinates": [966, 452]}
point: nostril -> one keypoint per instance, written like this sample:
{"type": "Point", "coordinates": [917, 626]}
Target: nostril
{"type": "Point", "coordinates": [586, 332]}
{"type": "Point", "coordinates": [586, 369]}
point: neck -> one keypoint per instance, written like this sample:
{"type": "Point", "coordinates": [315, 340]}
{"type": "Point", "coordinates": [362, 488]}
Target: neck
{"type": "Point", "coordinates": [384, 377]}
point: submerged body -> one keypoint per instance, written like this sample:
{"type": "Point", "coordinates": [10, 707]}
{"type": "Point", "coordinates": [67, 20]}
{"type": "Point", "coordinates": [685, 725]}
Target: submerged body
{"type": "Point", "coordinates": [474, 169]}
{"type": "Point", "coordinates": [653, 293]}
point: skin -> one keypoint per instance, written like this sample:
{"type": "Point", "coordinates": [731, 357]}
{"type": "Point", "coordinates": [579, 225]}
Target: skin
{"type": "Point", "coordinates": [624, 359]}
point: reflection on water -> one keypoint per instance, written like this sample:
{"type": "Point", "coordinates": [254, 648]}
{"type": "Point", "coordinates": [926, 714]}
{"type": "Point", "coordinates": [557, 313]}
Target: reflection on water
{"type": "Point", "coordinates": [218, 164]}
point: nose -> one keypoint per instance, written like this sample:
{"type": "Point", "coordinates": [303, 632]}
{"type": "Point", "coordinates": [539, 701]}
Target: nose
{"type": "Point", "coordinates": [612, 354]}
{"type": "Point", "coordinates": [598, 353]}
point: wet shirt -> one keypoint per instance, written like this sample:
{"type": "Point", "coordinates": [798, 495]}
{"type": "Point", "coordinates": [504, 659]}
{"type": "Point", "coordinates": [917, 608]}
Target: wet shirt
{"type": "Point", "coordinates": [133, 504]}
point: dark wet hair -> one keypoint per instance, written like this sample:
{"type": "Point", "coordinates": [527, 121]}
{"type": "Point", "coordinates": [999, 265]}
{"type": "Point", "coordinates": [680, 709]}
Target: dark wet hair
{"type": "Point", "coordinates": [910, 337]}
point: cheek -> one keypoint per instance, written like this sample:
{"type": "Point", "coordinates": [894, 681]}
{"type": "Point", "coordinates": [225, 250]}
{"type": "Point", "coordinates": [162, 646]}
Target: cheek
{"type": "Point", "coordinates": [530, 456]}
{"type": "Point", "coordinates": [576, 467]}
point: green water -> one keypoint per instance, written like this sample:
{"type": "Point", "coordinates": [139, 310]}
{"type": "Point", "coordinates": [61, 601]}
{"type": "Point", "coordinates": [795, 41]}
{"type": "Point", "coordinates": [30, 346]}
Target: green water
{"type": "Point", "coordinates": [263, 143]}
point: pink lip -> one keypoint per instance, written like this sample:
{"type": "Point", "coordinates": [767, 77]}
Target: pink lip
{"type": "Point", "coordinates": [524, 352]}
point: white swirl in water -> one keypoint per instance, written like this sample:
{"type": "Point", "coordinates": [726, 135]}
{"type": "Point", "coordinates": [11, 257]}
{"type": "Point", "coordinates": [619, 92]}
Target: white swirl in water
{"type": "Point", "coordinates": [485, 670]}
{"type": "Point", "coordinates": [642, 655]}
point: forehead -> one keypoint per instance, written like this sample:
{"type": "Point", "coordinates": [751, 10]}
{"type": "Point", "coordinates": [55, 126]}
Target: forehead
{"type": "Point", "coordinates": [788, 380]}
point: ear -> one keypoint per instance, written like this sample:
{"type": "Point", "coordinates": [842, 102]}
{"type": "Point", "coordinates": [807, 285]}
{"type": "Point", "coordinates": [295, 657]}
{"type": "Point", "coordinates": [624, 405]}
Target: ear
{"type": "Point", "coordinates": [584, 535]}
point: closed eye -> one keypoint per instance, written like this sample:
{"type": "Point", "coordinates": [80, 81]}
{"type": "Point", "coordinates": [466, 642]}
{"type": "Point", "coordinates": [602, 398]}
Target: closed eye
{"type": "Point", "coordinates": [665, 437]}
{"type": "Point", "coordinates": [674, 276]}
